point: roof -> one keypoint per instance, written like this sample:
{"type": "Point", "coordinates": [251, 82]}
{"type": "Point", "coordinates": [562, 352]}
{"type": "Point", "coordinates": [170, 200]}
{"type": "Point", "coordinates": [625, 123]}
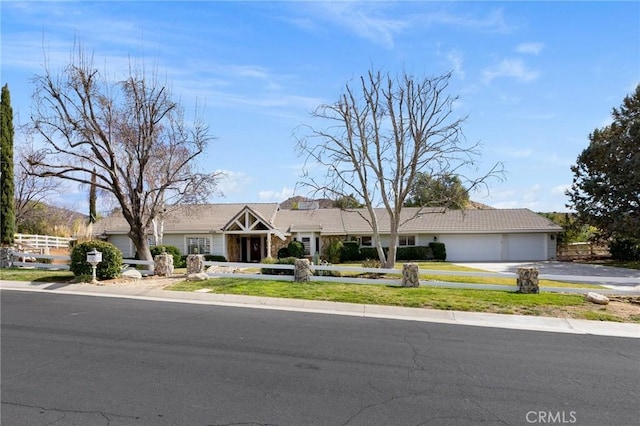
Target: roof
{"type": "Point", "coordinates": [212, 218]}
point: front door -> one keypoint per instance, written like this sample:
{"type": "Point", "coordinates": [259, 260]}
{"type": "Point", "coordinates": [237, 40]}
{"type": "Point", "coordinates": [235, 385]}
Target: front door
{"type": "Point", "coordinates": [254, 249]}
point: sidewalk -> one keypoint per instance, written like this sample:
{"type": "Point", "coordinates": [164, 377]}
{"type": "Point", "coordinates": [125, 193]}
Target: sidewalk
{"type": "Point", "coordinates": [153, 290]}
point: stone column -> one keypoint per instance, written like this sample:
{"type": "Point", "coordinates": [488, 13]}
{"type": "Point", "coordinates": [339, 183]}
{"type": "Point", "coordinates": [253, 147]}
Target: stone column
{"type": "Point", "coordinates": [410, 275]}
{"type": "Point", "coordinates": [164, 265]}
{"type": "Point", "coordinates": [6, 258]}
{"type": "Point", "coordinates": [195, 264]}
{"type": "Point", "coordinates": [528, 280]}
{"type": "Point", "coordinates": [302, 271]}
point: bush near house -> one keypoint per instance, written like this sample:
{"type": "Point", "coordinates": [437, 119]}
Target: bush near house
{"type": "Point", "coordinates": [350, 252]}
{"type": "Point", "coordinates": [296, 249]}
{"type": "Point", "coordinates": [214, 258]}
{"type": "Point", "coordinates": [439, 251]}
{"type": "Point", "coordinates": [110, 266]}
{"type": "Point", "coordinates": [414, 253]}
{"type": "Point", "coordinates": [178, 262]}
{"type": "Point", "coordinates": [284, 261]}
{"type": "Point", "coordinates": [333, 250]}
{"type": "Point", "coordinates": [283, 252]}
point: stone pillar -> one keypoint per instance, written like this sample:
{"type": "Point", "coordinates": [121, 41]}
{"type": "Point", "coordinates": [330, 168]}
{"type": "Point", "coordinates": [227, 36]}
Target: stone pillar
{"type": "Point", "coordinates": [164, 265]}
{"type": "Point", "coordinates": [302, 271]}
{"type": "Point", "coordinates": [528, 280]}
{"type": "Point", "coordinates": [6, 258]}
{"type": "Point", "coordinates": [195, 264]}
{"type": "Point", "coordinates": [410, 275]}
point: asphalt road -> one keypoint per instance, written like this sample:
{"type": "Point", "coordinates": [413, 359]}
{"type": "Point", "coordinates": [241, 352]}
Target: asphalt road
{"type": "Point", "coordinates": [76, 360]}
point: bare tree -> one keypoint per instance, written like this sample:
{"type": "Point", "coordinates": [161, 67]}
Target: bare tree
{"type": "Point", "coordinates": [377, 138]}
{"type": "Point", "coordinates": [31, 191]}
{"type": "Point", "coordinates": [133, 134]}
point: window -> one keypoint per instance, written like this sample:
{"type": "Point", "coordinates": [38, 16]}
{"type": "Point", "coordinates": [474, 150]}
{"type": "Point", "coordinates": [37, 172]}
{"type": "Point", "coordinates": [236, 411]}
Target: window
{"type": "Point", "coordinates": [198, 245]}
{"type": "Point", "coordinates": [306, 242]}
{"type": "Point", "coordinates": [365, 241]}
{"type": "Point", "coordinates": [406, 240]}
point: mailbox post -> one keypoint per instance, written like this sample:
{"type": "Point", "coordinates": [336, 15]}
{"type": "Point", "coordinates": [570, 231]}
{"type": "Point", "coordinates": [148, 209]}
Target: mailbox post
{"type": "Point", "coordinates": [93, 258]}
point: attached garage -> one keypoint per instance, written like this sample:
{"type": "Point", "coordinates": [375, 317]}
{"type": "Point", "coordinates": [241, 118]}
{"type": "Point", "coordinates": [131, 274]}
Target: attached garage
{"type": "Point", "coordinates": [496, 247]}
{"type": "Point", "coordinates": [472, 248]}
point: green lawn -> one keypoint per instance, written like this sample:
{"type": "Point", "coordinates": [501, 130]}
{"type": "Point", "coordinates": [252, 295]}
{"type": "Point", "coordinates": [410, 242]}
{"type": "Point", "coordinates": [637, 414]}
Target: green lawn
{"type": "Point", "coordinates": [37, 275]}
{"type": "Point", "coordinates": [422, 297]}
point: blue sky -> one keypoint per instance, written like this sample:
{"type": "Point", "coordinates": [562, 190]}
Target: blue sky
{"type": "Point", "coordinates": [534, 78]}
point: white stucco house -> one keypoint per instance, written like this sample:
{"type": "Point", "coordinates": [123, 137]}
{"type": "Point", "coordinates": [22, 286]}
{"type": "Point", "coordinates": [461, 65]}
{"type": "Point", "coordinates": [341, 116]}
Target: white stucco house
{"type": "Point", "coordinates": [251, 232]}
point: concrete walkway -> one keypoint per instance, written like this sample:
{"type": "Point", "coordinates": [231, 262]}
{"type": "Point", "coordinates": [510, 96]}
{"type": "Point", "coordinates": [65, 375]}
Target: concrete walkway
{"type": "Point", "coordinates": [153, 290]}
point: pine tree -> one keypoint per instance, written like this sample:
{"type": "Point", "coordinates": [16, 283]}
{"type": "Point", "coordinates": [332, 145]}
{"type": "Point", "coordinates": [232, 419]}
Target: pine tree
{"type": "Point", "coordinates": [7, 201]}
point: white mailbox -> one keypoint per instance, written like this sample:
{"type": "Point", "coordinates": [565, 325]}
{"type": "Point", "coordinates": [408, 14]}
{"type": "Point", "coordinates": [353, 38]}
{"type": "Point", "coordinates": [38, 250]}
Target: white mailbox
{"type": "Point", "coordinates": [94, 257]}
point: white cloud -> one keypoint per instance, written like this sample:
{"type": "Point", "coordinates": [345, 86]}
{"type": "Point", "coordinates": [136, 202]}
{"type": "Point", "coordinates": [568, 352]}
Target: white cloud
{"type": "Point", "coordinates": [456, 60]}
{"type": "Point", "coordinates": [510, 68]}
{"type": "Point", "coordinates": [530, 48]}
{"type": "Point", "coordinates": [278, 196]}
{"type": "Point", "coordinates": [232, 182]}
{"type": "Point", "coordinates": [560, 189]}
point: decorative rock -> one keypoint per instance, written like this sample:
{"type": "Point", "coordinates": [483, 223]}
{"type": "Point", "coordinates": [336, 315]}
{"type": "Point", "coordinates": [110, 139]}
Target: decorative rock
{"type": "Point", "coordinates": [6, 257]}
{"type": "Point", "coordinates": [133, 274]}
{"type": "Point", "coordinates": [597, 298]}
{"type": "Point", "coordinates": [215, 269]}
{"type": "Point", "coordinates": [410, 275]}
{"type": "Point", "coordinates": [195, 264]}
{"type": "Point", "coordinates": [200, 276]}
{"type": "Point", "coordinates": [528, 280]}
{"type": "Point", "coordinates": [164, 265]}
{"type": "Point", "coordinates": [302, 271]}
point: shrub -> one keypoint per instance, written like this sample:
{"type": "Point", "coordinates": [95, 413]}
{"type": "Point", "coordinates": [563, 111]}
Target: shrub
{"type": "Point", "coordinates": [214, 258]}
{"type": "Point", "coordinates": [414, 253]}
{"type": "Point", "coordinates": [333, 250]}
{"type": "Point", "coordinates": [283, 252]}
{"type": "Point", "coordinates": [350, 252]}
{"type": "Point", "coordinates": [439, 251]}
{"type": "Point", "coordinates": [110, 266]}
{"type": "Point", "coordinates": [371, 253]}
{"type": "Point", "coordinates": [283, 261]}
{"type": "Point", "coordinates": [625, 249]}
{"type": "Point", "coordinates": [296, 249]}
{"type": "Point", "coordinates": [173, 251]}
{"type": "Point", "coordinates": [371, 263]}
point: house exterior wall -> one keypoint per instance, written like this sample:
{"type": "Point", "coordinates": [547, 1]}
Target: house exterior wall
{"type": "Point", "coordinates": [176, 240]}
{"type": "Point", "coordinates": [124, 244]}
{"type": "Point", "coordinates": [460, 247]}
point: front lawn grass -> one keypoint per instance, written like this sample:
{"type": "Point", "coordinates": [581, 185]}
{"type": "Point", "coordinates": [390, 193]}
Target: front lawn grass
{"type": "Point", "coordinates": [429, 272]}
{"type": "Point", "coordinates": [35, 275]}
{"type": "Point", "coordinates": [422, 297]}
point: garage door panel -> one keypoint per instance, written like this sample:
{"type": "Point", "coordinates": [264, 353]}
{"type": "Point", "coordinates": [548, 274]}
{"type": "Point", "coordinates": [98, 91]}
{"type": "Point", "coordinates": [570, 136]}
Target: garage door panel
{"type": "Point", "coordinates": [525, 247]}
{"type": "Point", "coordinates": [477, 248]}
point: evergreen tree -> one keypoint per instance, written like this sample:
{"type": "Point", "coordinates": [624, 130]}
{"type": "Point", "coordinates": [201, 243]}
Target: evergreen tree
{"type": "Point", "coordinates": [606, 182]}
{"type": "Point", "coordinates": [93, 214]}
{"type": "Point", "coordinates": [7, 201]}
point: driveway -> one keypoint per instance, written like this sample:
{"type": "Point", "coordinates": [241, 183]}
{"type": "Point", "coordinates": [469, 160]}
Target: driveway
{"type": "Point", "coordinates": [612, 277]}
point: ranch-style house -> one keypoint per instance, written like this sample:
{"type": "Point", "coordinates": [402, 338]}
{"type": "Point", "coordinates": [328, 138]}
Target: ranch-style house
{"type": "Point", "coordinates": [251, 232]}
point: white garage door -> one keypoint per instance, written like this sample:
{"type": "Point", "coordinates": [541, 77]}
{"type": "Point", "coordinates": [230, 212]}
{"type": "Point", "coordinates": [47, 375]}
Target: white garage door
{"type": "Point", "coordinates": [527, 247]}
{"type": "Point", "coordinates": [476, 248]}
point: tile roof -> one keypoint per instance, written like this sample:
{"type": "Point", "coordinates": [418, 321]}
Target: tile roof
{"type": "Point", "coordinates": [213, 217]}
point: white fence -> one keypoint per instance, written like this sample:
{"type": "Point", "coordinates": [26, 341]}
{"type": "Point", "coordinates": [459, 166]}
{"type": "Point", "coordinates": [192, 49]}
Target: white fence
{"type": "Point", "coordinates": [33, 260]}
{"type": "Point", "coordinates": [20, 261]}
{"type": "Point", "coordinates": [41, 241]}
